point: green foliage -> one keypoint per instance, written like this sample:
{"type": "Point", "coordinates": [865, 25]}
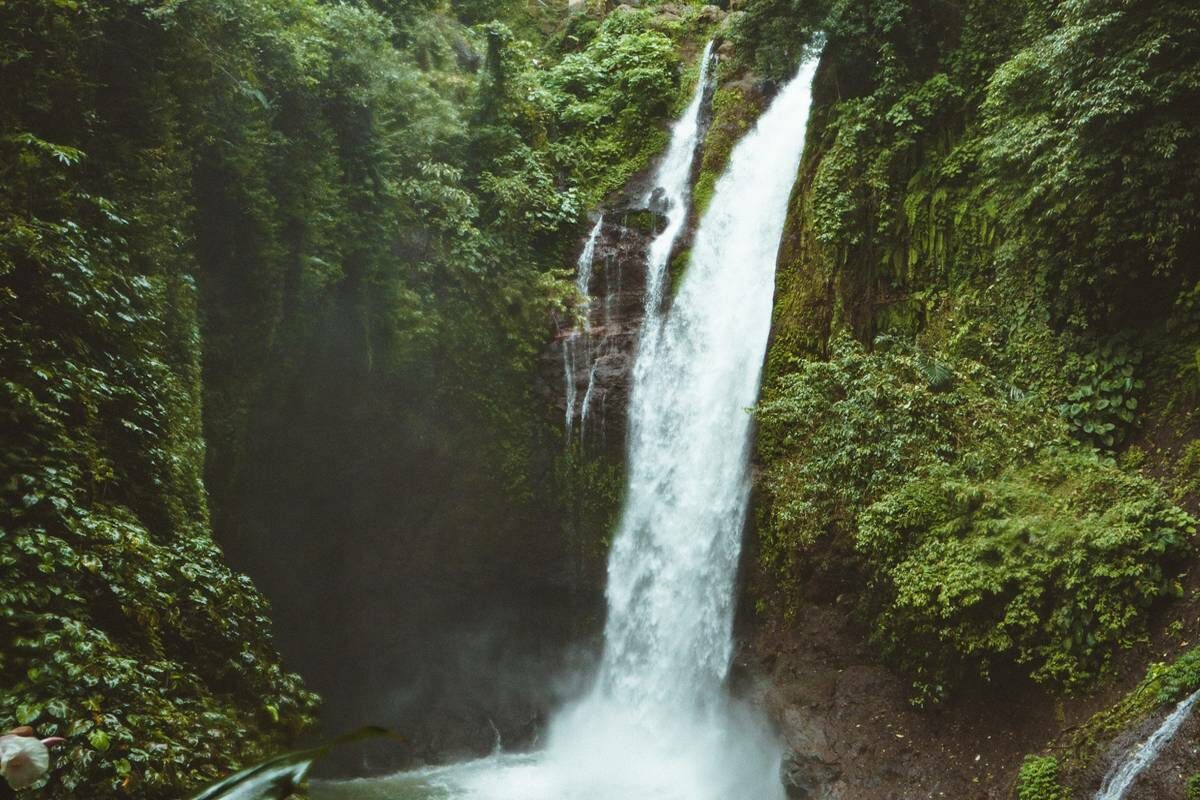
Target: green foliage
{"type": "Point", "coordinates": [1192, 788]}
{"type": "Point", "coordinates": [982, 543]}
{"type": "Point", "coordinates": [1049, 567]}
{"type": "Point", "coordinates": [591, 484]}
{"type": "Point", "coordinates": [734, 109]}
{"type": "Point", "coordinates": [1088, 139]}
{"type": "Point", "coordinates": [564, 136]}
{"type": "Point", "coordinates": [1100, 407]}
{"type": "Point", "coordinates": [990, 181]}
{"type": "Point", "coordinates": [1039, 780]}
{"type": "Point", "coordinates": [1179, 679]}
{"type": "Point", "coordinates": [333, 229]}
{"type": "Point", "coordinates": [678, 268]}
{"type": "Point", "coordinates": [950, 148]}
{"type": "Point", "coordinates": [123, 630]}
{"type": "Point", "coordinates": [1187, 471]}
{"type": "Point", "coordinates": [609, 101]}
{"type": "Point", "coordinates": [771, 34]}
{"type": "Point", "coordinates": [838, 434]}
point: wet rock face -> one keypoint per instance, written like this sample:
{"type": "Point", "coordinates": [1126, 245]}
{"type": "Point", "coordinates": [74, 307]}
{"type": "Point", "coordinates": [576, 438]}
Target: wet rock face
{"type": "Point", "coordinates": [589, 366]}
{"type": "Point", "coordinates": [849, 732]}
{"type": "Point", "coordinates": [808, 778]}
{"type": "Point", "coordinates": [811, 768]}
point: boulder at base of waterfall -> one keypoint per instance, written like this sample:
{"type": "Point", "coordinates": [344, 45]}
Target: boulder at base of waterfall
{"type": "Point", "coordinates": [806, 777]}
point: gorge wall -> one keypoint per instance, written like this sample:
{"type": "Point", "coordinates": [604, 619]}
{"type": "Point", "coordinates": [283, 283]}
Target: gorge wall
{"type": "Point", "coordinates": [401, 486]}
{"type": "Point", "coordinates": [980, 317]}
{"type": "Point", "coordinates": [280, 274]}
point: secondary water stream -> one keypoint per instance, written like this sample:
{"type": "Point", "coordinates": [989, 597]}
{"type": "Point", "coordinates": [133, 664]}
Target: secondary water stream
{"type": "Point", "coordinates": [1125, 771]}
{"type": "Point", "coordinates": [670, 193]}
{"type": "Point", "coordinates": [578, 343]}
{"type": "Point", "coordinates": [658, 723]}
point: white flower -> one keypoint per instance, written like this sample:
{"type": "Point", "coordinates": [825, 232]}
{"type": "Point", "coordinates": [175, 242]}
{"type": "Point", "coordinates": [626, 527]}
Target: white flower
{"type": "Point", "coordinates": [23, 760]}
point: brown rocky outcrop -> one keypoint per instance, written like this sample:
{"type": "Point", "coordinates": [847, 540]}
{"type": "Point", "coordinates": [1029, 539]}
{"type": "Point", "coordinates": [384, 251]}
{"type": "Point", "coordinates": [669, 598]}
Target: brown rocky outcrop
{"type": "Point", "coordinates": [599, 354]}
{"type": "Point", "coordinates": [589, 364]}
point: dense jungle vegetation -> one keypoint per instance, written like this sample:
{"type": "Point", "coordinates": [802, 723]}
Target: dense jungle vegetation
{"type": "Point", "coordinates": [251, 251]}
{"type": "Point", "coordinates": [980, 411]}
{"type": "Point", "coordinates": [275, 274]}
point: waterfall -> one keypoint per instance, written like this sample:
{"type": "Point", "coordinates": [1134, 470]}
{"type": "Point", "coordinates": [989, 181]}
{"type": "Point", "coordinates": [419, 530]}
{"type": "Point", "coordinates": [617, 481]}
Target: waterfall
{"type": "Point", "coordinates": [583, 268]}
{"type": "Point", "coordinates": [658, 723]}
{"type": "Point", "coordinates": [673, 563]}
{"type": "Point", "coordinates": [1123, 773]}
{"type": "Point", "coordinates": [568, 348]}
{"type": "Point", "coordinates": [587, 398]}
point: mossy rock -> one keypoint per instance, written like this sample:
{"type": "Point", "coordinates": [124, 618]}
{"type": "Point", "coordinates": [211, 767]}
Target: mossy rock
{"type": "Point", "coordinates": [678, 268]}
{"type": "Point", "coordinates": [735, 107]}
{"type": "Point", "coordinates": [643, 220]}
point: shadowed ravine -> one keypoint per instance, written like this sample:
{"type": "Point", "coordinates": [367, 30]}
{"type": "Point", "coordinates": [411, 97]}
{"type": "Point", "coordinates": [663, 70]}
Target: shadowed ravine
{"type": "Point", "coordinates": [657, 722]}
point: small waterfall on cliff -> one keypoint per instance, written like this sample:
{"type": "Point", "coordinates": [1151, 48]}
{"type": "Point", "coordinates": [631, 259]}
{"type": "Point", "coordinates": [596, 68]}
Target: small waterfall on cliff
{"type": "Point", "coordinates": [583, 272]}
{"type": "Point", "coordinates": [569, 381]}
{"type": "Point", "coordinates": [670, 195]}
{"type": "Point", "coordinates": [1123, 773]}
{"type": "Point", "coordinates": [587, 398]}
{"type": "Point", "coordinates": [578, 343]}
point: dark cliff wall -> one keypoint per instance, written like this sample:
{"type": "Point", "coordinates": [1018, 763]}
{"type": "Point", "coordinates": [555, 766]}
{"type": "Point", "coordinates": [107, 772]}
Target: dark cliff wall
{"type": "Point", "coordinates": [397, 480]}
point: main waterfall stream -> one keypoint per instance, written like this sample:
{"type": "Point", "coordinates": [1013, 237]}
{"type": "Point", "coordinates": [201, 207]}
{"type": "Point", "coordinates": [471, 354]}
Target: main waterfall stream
{"type": "Point", "coordinates": [657, 723]}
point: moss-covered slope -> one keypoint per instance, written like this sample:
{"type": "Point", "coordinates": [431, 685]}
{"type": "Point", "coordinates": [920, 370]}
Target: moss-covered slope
{"type": "Point", "coordinates": [121, 627]}
{"type": "Point", "coordinates": [982, 373]}
{"type": "Point", "coordinates": [958, 202]}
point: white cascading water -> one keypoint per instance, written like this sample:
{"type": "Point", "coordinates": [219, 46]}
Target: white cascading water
{"type": "Point", "coordinates": [568, 353]}
{"type": "Point", "coordinates": [583, 270]}
{"type": "Point", "coordinates": [657, 724]}
{"type": "Point", "coordinates": [671, 188]}
{"type": "Point", "coordinates": [1125, 772]}
{"type": "Point", "coordinates": [586, 406]}
{"type": "Point", "coordinates": [575, 341]}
